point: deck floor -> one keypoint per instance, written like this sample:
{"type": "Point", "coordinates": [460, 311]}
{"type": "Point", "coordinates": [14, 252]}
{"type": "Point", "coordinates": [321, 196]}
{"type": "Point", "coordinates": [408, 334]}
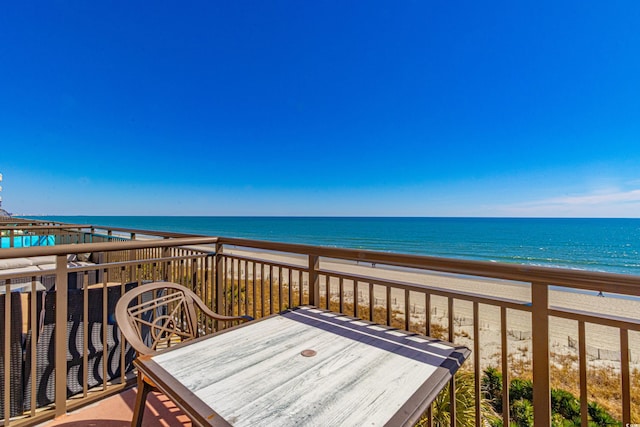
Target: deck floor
{"type": "Point", "coordinates": [117, 411]}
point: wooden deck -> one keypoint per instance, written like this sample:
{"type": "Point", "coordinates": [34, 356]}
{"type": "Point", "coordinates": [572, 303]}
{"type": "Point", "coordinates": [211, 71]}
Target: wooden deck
{"type": "Point", "coordinates": [117, 411]}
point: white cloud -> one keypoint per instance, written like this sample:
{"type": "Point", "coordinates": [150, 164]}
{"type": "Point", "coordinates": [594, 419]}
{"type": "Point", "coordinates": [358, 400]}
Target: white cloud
{"type": "Point", "coordinates": [607, 203]}
{"type": "Point", "coordinates": [597, 198]}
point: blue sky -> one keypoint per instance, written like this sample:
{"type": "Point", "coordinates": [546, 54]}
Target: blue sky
{"type": "Point", "coordinates": [412, 108]}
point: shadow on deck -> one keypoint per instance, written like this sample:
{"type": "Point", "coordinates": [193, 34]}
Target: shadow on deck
{"type": "Point", "coordinates": [117, 411]}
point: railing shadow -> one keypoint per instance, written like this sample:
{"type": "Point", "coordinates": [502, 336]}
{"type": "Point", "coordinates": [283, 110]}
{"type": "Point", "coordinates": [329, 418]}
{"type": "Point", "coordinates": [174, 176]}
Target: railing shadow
{"type": "Point", "coordinates": [117, 411]}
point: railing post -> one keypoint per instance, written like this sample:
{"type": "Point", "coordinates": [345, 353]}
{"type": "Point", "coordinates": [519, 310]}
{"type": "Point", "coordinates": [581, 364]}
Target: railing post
{"type": "Point", "coordinates": [132, 254]}
{"type": "Point", "coordinates": [540, 344]}
{"type": "Point", "coordinates": [7, 356]}
{"type": "Point", "coordinates": [219, 279]}
{"type": "Point", "coordinates": [12, 234]}
{"type": "Point", "coordinates": [166, 266]}
{"type": "Point", "coordinates": [314, 280]}
{"type": "Point", "coordinates": [61, 335]}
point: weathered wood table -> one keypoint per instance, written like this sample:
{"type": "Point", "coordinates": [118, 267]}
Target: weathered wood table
{"type": "Point", "coordinates": [305, 367]}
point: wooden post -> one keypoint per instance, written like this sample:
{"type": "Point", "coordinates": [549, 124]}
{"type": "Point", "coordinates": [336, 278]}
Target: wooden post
{"type": "Point", "coordinates": [626, 377]}
{"type": "Point", "coordinates": [314, 280]}
{"type": "Point", "coordinates": [219, 279]}
{"type": "Point", "coordinates": [61, 335]}
{"type": "Point", "coordinates": [452, 382]}
{"type": "Point", "coordinates": [7, 352]}
{"type": "Point", "coordinates": [476, 361]}
{"type": "Point", "coordinates": [582, 352]}
{"type": "Point", "coordinates": [540, 344]}
{"type": "Point", "coordinates": [504, 346]}
{"type": "Point", "coordinates": [166, 265]}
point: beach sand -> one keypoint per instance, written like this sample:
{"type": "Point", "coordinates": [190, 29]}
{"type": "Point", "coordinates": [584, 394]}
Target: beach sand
{"type": "Point", "coordinates": [603, 343]}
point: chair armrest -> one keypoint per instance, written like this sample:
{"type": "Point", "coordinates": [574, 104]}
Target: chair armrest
{"type": "Point", "coordinates": [217, 316]}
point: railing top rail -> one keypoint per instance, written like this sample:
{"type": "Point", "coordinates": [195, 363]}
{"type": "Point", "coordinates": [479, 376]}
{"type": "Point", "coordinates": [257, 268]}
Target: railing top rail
{"type": "Point", "coordinates": [462, 295]}
{"type": "Point", "coordinates": [14, 220]}
{"type": "Point", "coordinates": [146, 232]}
{"type": "Point", "coordinates": [102, 247]}
{"type": "Point", "coordinates": [31, 226]}
{"type": "Point", "coordinates": [39, 223]}
{"type": "Point", "coordinates": [610, 282]}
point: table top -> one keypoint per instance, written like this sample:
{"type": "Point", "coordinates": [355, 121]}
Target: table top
{"type": "Point", "coordinates": [305, 366]}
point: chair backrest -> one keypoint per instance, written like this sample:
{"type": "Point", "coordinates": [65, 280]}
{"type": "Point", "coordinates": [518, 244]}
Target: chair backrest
{"type": "Point", "coordinates": [154, 315]}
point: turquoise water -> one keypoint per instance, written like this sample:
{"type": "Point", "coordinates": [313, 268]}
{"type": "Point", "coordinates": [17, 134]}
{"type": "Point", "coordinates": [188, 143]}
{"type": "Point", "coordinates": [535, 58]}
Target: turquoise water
{"type": "Point", "coordinates": [611, 245]}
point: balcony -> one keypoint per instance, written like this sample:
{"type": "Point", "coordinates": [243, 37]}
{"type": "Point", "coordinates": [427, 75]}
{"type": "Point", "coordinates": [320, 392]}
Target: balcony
{"type": "Point", "coordinates": [543, 332]}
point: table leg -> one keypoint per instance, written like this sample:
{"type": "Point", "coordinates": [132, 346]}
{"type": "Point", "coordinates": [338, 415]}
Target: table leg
{"type": "Point", "coordinates": [141, 398]}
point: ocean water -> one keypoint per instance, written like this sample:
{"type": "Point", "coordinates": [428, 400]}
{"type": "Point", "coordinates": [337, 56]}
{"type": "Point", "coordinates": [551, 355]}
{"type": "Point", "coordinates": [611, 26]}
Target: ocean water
{"type": "Point", "coordinates": [610, 245]}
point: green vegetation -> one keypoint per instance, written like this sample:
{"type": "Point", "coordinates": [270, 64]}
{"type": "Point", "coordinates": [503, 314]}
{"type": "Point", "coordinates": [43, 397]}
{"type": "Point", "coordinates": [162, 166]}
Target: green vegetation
{"type": "Point", "coordinates": [465, 403]}
{"type": "Point", "coordinates": [565, 407]}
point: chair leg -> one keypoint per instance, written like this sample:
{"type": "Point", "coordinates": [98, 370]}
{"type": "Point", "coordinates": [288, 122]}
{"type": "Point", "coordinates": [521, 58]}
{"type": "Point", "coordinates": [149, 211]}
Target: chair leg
{"type": "Point", "coordinates": [141, 399]}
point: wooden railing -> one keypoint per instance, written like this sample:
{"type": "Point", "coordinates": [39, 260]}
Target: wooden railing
{"type": "Point", "coordinates": [46, 374]}
{"type": "Point", "coordinates": [506, 314]}
{"type": "Point", "coordinates": [366, 284]}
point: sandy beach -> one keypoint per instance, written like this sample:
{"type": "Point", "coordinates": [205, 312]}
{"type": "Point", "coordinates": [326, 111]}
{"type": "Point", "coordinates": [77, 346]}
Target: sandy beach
{"type": "Point", "coordinates": [603, 343]}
